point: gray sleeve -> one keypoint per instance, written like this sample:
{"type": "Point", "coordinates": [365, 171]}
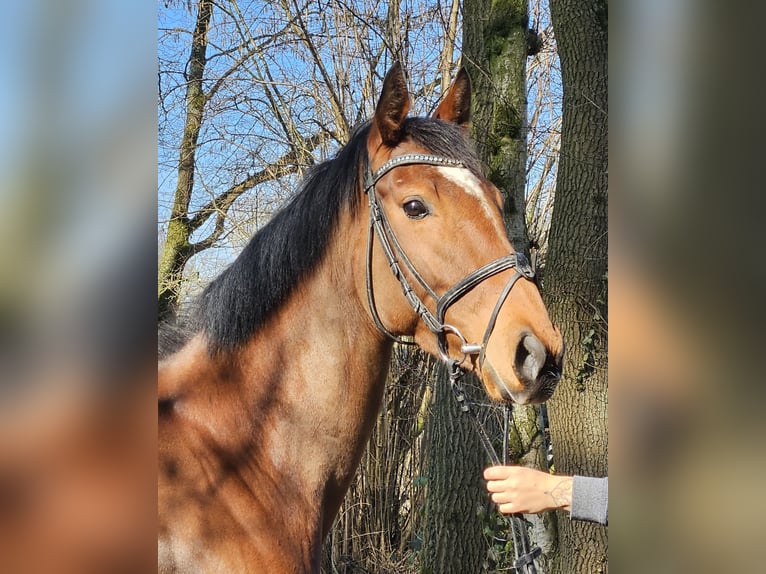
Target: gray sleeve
{"type": "Point", "coordinates": [590, 499]}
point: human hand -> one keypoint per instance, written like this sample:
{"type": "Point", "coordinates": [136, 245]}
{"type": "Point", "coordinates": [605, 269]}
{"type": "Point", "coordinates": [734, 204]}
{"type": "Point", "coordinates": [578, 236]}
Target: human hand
{"type": "Point", "coordinates": [527, 490]}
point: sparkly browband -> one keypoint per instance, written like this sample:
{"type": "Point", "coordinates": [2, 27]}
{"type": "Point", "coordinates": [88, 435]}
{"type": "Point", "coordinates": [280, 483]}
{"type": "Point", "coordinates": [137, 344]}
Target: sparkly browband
{"type": "Point", "coordinates": [409, 159]}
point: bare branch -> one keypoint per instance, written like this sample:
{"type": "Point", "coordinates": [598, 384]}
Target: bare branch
{"type": "Point", "coordinates": [304, 34]}
{"type": "Point", "coordinates": [219, 206]}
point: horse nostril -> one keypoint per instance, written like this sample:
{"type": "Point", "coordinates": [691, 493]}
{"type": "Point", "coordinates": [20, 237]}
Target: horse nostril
{"type": "Point", "coordinates": [530, 358]}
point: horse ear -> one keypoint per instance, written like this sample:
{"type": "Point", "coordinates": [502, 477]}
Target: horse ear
{"type": "Point", "coordinates": [456, 105]}
{"type": "Point", "coordinates": [393, 105]}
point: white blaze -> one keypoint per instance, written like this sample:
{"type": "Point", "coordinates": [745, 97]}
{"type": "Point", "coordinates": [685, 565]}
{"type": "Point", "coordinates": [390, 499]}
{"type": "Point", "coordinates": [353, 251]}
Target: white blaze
{"type": "Point", "coordinates": [468, 182]}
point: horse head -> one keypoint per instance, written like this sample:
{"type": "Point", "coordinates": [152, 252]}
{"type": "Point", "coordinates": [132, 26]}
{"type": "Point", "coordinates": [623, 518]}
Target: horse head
{"type": "Point", "coordinates": [440, 265]}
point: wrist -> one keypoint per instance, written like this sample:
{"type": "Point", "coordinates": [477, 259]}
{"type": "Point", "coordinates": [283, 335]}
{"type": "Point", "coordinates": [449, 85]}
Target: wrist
{"type": "Point", "coordinates": [561, 492]}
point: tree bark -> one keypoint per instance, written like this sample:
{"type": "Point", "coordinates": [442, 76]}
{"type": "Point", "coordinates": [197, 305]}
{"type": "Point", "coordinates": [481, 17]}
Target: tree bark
{"type": "Point", "coordinates": [575, 285]}
{"type": "Point", "coordinates": [455, 507]}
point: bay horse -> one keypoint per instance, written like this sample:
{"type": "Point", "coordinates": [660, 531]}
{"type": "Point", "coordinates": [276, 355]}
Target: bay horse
{"type": "Point", "coordinates": [267, 400]}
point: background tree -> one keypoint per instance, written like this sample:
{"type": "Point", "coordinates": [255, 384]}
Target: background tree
{"type": "Point", "coordinates": [575, 286]}
{"type": "Point", "coordinates": [453, 531]}
{"type": "Point", "coordinates": [497, 41]}
{"type": "Point", "coordinates": [177, 248]}
{"type": "Point", "coordinates": [495, 53]}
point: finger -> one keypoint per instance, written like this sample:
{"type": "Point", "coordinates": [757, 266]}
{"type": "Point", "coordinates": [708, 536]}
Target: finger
{"type": "Point", "coordinates": [501, 498]}
{"type": "Point", "coordinates": [496, 485]}
{"type": "Point", "coordinates": [506, 508]}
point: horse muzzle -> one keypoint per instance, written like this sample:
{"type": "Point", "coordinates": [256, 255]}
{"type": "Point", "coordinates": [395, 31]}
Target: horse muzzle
{"type": "Point", "coordinates": [535, 374]}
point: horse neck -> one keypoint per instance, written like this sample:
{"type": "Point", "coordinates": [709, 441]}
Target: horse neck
{"type": "Point", "coordinates": [330, 364]}
{"type": "Point", "coordinates": [301, 397]}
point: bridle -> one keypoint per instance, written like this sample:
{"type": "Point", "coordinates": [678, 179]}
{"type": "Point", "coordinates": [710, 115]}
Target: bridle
{"type": "Point", "coordinates": [393, 251]}
{"type": "Point", "coordinates": [380, 227]}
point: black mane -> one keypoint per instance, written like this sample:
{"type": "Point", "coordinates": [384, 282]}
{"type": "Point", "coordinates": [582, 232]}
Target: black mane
{"type": "Point", "coordinates": [239, 301]}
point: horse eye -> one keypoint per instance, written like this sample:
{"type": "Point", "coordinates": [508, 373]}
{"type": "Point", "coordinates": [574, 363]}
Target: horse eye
{"type": "Point", "coordinates": [415, 209]}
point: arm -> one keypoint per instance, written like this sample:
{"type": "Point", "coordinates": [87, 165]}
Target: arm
{"type": "Point", "coordinates": [590, 499]}
{"type": "Point", "coordinates": [528, 490]}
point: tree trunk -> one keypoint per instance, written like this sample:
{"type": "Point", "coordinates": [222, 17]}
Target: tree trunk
{"type": "Point", "coordinates": [495, 54]}
{"type": "Point", "coordinates": [177, 250]}
{"type": "Point", "coordinates": [575, 285]}
{"type": "Point", "coordinates": [453, 539]}
{"type": "Point", "coordinates": [455, 520]}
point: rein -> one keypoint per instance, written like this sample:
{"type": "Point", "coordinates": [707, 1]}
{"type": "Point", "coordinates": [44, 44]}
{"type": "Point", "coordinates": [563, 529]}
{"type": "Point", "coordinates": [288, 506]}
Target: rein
{"type": "Point", "coordinates": [393, 251]}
